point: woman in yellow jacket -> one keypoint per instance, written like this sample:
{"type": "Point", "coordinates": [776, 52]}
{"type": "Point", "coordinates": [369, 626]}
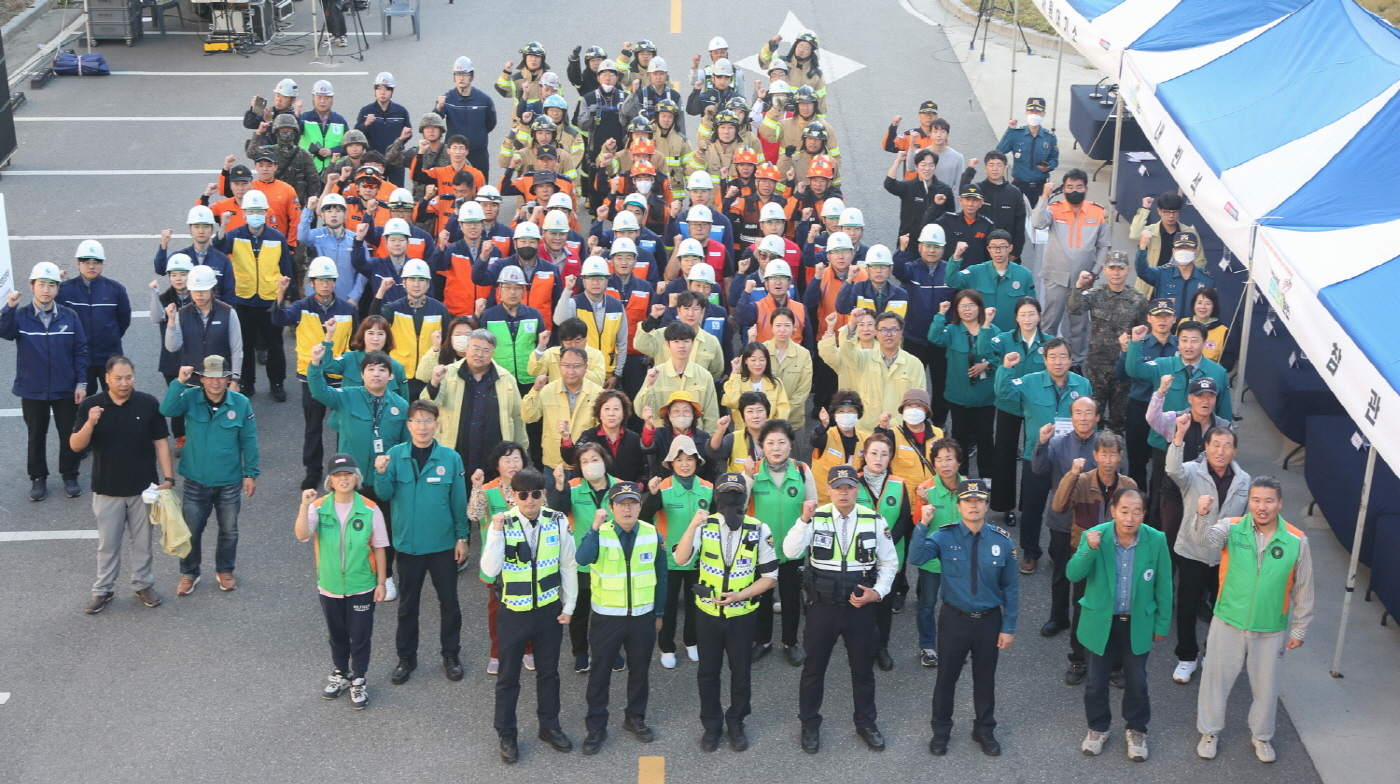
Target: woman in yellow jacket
{"type": "Point", "coordinates": [838, 444]}
{"type": "Point", "coordinates": [752, 371]}
{"type": "Point", "coordinates": [447, 347]}
{"type": "Point", "coordinates": [792, 364]}
{"type": "Point", "coordinates": [1205, 308]}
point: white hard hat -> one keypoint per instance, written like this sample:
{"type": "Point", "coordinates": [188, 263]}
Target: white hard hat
{"type": "Point", "coordinates": [397, 226]}
{"type": "Point", "coordinates": [46, 270]}
{"type": "Point", "coordinates": [551, 79]}
{"type": "Point", "coordinates": [471, 213]}
{"type": "Point", "coordinates": [322, 267]}
{"type": "Point", "coordinates": [779, 87]}
{"type": "Point", "coordinates": [771, 212]}
{"type": "Point", "coordinates": [91, 249]}
{"type": "Point", "coordinates": [657, 65]}
{"type": "Point", "coordinates": [690, 247]}
{"type": "Point", "coordinates": [607, 65]}
{"type": "Point", "coordinates": [254, 200]}
{"type": "Point", "coordinates": [323, 87]}
{"type": "Point", "coordinates": [384, 79]}
{"type": "Point", "coordinates": [511, 274]}
{"type": "Point", "coordinates": [703, 273]}
{"type": "Point", "coordinates": [722, 67]}
{"type": "Point", "coordinates": [777, 268]}
{"type": "Point", "coordinates": [839, 240]}
{"type": "Point", "coordinates": [178, 262]}
{"type": "Point", "coordinates": [333, 200]}
{"type": "Point", "coordinates": [463, 65]}
{"type": "Point", "coordinates": [525, 230]}
{"type": "Point", "coordinates": [772, 244]}
{"type": "Point", "coordinates": [778, 64]}
{"type": "Point", "coordinates": [202, 278]}
{"type": "Point", "coordinates": [699, 181]}
{"type": "Point", "coordinates": [626, 221]}
{"type": "Point", "coordinates": [556, 221]}
{"type": "Point", "coordinates": [200, 215]}
{"type": "Point", "coordinates": [624, 245]}
{"type": "Point", "coordinates": [718, 43]}
{"type": "Point", "coordinates": [878, 256]}
{"type": "Point", "coordinates": [932, 234]}
{"type": "Point", "coordinates": [699, 213]}
{"type": "Point", "coordinates": [416, 268]}
{"type": "Point", "coordinates": [488, 193]}
{"type": "Point", "coordinates": [561, 200]}
{"type": "Point", "coordinates": [833, 207]}
{"type": "Point", "coordinates": [594, 267]}
{"type": "Point", "coordinates": [852, 217]}
{"type": "Point", "coordinates": [287, 88]}
{"type": "Point", "coordinates": [401, 196]}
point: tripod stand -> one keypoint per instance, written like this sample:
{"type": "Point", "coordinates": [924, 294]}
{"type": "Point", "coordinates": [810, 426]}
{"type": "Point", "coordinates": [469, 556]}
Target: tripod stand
{"type": "Point", "coordinates": [985, 12]}
{"type": "Point", "coordinates": [333, 12]}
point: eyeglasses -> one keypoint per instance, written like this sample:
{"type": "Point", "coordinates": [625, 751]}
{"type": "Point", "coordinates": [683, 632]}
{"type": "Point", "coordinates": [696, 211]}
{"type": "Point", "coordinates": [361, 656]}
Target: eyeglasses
{"type": "Point", "coordinates": [524, 494]}
{"type": "Point", "coordinates": [573, 366]}
{"type": "Point", "coordinates": [999, 246]}
{"type": "Point", "coordinates": [890, 330]}
{"type": "Point", "coordinates": [422, 422]}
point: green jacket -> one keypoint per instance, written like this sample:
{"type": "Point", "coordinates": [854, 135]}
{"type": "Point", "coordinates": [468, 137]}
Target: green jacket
{"type": "Point", "coordinates": [429, 508]}
{"type": "Point", "coordinates": [347, 366]}
{"type": "Point", "coordinates": [998, 291]}
{"type": "Point", "coordinates": [1151, 372]}
{"type": "Point", "coordinates": [352, 418]}
{"type": "Point", "coordinates": [220, 449]}
{"type": "Point", "coordinates": [994, 344]}
{"type": "Point", "coordinates": [1152, 588]}
{"type": "Point", "coordinates": [962, 354]}
{"type": "Point", "coordinates": [1036, 398]}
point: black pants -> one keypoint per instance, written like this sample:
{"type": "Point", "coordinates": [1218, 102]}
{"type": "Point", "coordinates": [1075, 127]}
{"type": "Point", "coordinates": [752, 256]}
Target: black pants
{"type": "Point", "coordinates": [389, 552]}
{"type": "Point", "coordinates": [350, 622]}
{"type": "Point", "coordinates": [481, 161]}
{"type": "Point", "coordinates": [1060, 553]}
{"type": "Point", "coordinates": [1117, 654]}
{"type": "Point", "coordinates": [515, 632]}
{"type": "Point", "coordinates": [884, 618]}
{"type": "Point", "coordinates": [974, 426]}
{"type": "Point", "coordinates": [856, 626]}
{"type": "Point", "coordinates": [789, 590]}
{"type": "Point", "coordinates": [313, 451]}
{"type": "Point", "coordinates": [1076, 648]}
{"type": "Point", "coordinates": [335, 18]}
{"type": "Point", "coordinates": [578, 625]}
{"type": "Point", "coordinates": [1136, 431]}
{"type": "Point", "coordinates": [1009, 444]}
{"type": "Point", "coordinates": [679, 599]}
{"type": "Point", "coordinates": [96, 379]}
{"type": "Point", "coordinates": [36, 419]}
{"type": "Point", "coordinates": [824, 383]}
{"type": "Point", "coordinates": [935, 358]}
{"type": "Point", "coordinates": [1195, 580]}
{"type": "Point", "coordinates": [1158, 484]}
{"type": "Point", "coordinates": [1035, 491]}
{"type": "Point", "coordinates": [412, 571]}
{"type": "Point", "coordinates": [177, 424]}
{"type": "Point", "coordinates": [611, 634]}
{"type": "Point", "coordinates": [958, 636]}
{"type": "Point", "coordinates": [1169, 511]}
{"type": "Point", "coordinates": [1031, 189]}
{"type": "Point", "coordinates": [255, 322]}
{"type": "Point", "coordinates": [721, 637]}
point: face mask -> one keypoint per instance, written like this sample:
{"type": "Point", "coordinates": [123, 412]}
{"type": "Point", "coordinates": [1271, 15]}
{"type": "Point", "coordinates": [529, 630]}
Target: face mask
{"type": "Point", "coordinates": [1184, 257]}
{"type": "Point", "coordinates": [287, 136]}
{"type": "Point", "coordinates": [256, 221]}
{"type": "Point", "coordinates": [526, 254]}
{"type": "Point", "coordinates": [459, 343]}
{"type": "Point", "coordinates": [847, 421]}
{"type": "Point", "coordinates": [1075, 197]}
{"type": "Point", "coordinates": [730, 505]}
{"type": "Point", "coordinates": [1033, 120]}
{"type": "Point", "coordinates": [607, 88]}
{"type": "Point", "coordinates": [682, 422]}
{"type": "Point", "coordinates": [644, 187]}
{"type": "Point", "coordinates": [594, 471]}
{"type": "Point", "coordinates": [914, 416]}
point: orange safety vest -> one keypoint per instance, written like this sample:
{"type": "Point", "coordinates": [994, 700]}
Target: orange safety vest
{"type": "Point", "coordinates": [638, 307]}
{"type": "Point", "coordinates": [831, 288]}
{"type": "Point", "coordinates": [766, 307]}
{"type": "Point", "coordinates": [459, 293]}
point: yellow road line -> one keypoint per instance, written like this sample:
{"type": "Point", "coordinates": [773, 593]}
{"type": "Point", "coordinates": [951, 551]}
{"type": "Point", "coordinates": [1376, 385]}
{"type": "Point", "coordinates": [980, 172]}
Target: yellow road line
{"type": "Point", "coordinates": [675, 17]}
{"type": "Point", "coordinates": [652, 770]}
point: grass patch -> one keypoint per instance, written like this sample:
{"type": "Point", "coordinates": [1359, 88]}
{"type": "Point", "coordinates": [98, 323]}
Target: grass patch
{"type": "Point", "coordinates": [1389, 10]}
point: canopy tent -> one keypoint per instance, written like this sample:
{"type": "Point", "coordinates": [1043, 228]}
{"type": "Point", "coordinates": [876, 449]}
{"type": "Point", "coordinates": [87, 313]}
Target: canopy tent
{"type": "Point", "coordinates": [1272, 115]}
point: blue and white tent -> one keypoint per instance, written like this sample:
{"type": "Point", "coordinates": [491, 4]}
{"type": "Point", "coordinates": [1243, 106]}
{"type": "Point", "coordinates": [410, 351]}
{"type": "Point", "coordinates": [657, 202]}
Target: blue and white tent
{"type": "Point", "coordinates": [1275, 116]}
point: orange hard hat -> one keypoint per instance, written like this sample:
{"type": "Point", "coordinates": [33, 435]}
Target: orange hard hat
{"type": "Point", "coordinates": [766, 171]}
{"type": "Point", "coordinates": [746, 155]}
{"type": "Point", "coordinates": [642, 147]}
{"type": "Point", "coordinates": [822, 166]}
{"type": "Point", "coordinates": [643, 166]}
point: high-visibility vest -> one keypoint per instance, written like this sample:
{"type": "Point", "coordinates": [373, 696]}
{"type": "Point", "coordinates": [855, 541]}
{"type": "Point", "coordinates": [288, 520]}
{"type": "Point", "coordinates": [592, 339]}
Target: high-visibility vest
{"type": "Point", "coordinates": [310, 332]}
{"type": "Point", "coordinates": [256, 274]}
{"type": "Point", "coordinates": [834, 455]}
{"type": "Point", "coordinates": [678, 507]}
{"type": "Point", "coordinates": [622, 584]}
{"type": "Point", "coordinates": [1254, 593]}
{"type": "Point", "coordinates": [605, 340]}
{"type": "Point", "coordinates": [887, 506]}
{"type": "Point", "coordinates": [530, 576]}
{"type": "Point", "coordinates": [349, 566]}
{"type": "Point", "coordinates": [637, 304]}
{"type": "Point", "coordinates": [766, 306]}
{"type": "Point", "coordinates": [311, 134]}
{"type": "Point", "coordinates": [736, 576]}
{"type": "Point", "coordinates": [779, 506]}
{"type": "Point", "coordinates": [583, 507]}
{"type": "Point", "coordinates": [409, 344]}
{"type": "Point", "coordinates": [513, 350]}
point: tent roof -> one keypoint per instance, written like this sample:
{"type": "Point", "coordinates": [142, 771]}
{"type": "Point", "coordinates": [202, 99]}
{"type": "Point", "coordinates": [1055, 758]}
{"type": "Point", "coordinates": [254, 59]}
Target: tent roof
{"type": "Point", "coordinates": [1199, 22]}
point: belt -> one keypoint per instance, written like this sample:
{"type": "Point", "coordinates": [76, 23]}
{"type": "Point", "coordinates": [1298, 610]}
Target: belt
{"type": "Point", "coordinates": [961, 611]}
{"type": "Point", "coordinates": [1124, 618]}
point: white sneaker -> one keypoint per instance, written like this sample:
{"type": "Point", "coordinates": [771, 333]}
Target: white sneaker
{"type": "Point", "coordinates": [1206, 748]}
{"type": "Point", "coordinates": [668, 660]}
{"type": "Point", "coordinates": [693, 652]}
{"type": "Point", "coordinates": [359, 696]}
{"type": "Point", "coordinates": [1264, 750]}
{"type": "Point", "coordinates": [1093, 743]}
{"type": "Point", "coordinates": [1137, 746]}
{"type": "Point", "coordinates": [529, 661]}
{"type": "Point", "coordinates": [493, 666]}
{"type": "Point", "coordinates": [338, 684]}
{"type": "Point", "coordinates": [391, 591]}
{"type": "Point", "coordinates": [1184, 671]}
{"type": "Point", "coordinates": [777, 606]}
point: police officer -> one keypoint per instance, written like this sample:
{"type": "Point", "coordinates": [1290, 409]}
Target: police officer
{"type": "Point", "coordinates": [737, 565]}
{"type": "Point", "coordinates": [980, 603]}
{"type": "Point", "coordinates": [1034, 150]}
{"type": "Point", "coordinates": [847, 544]}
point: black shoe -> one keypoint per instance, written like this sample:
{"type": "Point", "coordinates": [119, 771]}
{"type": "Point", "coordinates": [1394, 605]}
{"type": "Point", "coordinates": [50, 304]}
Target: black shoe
{"type": "Point", "coordinates": [557, 740]}
{"type": "Point", "coordinates": [581, 663]}
{"type": "Point", "coordinates": [988, 742]}
{"type": "Point", "coordinates": [620, 663]}
{"type": "Point", "coordinates": [71, 487]}
{"type": "Point", "coordinates": [794, 655]}
{"type": "Point", "coordinates": [401, 672]}
{"type": "Point", "coordinates": [639, 729]}
{"type": "Point", "coordinates": [759, 651]}
{"type": "Point", "coordinates": [1052, 627]}
{"type": "Point", "coordinates": [811, 740]}
{"type": "Point", "coordinates": [872, 738]}
{"type": "Point", "coordinates": [884, 659]}
{"type": "Point", "coordinates": [738, 740]}
{"type": "Point", "coordinates": [593, 742]}
{"type": "Point", "coordinates": [510, 750]}
{"type": "Point", "coordinates": [453, 667]}
{"type": "Point", "coordinates": [709, 740]}
{"type": "Point", "coordinates": [1117, 679]}
{"type": "Point", "coordinates": [938, 745]}
{"type": "Point", "coordinates": [247, 390]}
{"type": "Point", "coordinates": [897, 603]}
{"type": "Point", "coordinates": [311, 482]}
{"type": "Point", "coordinates": [278, 393]}
{"type": "Point", "coordinates": [1009, 520]}
{"type": "Point", "coordinates": [1075, 674]}
{"type": "Point", "coordinates": [262, 356]}
{"type": "Point", "coordinates": [39, 489]}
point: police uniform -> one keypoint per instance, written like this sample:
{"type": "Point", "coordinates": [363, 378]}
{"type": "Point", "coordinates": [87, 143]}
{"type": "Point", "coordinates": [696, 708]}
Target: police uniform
{"type": "Point", "coordinates": [980, 592]}
{"type": "Point", "coordinates": [1027, 150]}
{"type": "Point", "coordinates": [843, 551]}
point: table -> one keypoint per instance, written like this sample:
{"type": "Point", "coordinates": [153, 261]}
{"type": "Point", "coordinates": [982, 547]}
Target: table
{"type": "Point", "coordinates": [1288, 394]}
{"type": "Point", "coordinates": [1334, 471]}
{"type": "Point", "coordinates": [1090, 126]}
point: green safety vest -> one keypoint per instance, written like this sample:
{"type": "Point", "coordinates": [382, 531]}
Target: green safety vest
{"type": "Point", "coordinates": [348, 567]}
{"type": "Point", "coordinates": [513, 351]}
{"type": "Point", "coordinates": [678, 508]}
{"type": "Point", "coordinates": [582, 507]}
{"type": "Point", "coordinates": [1254, 592]}
{"type": "Point", "coordinates": [891, 501]}
{"type": "Point", "coordinates": [495, 504]}
{"type": "Point", "coordinates": [779, 506]}
{"type": "Point", "coordinates": [623, 585]}
{"type": "Point", "coordinates": [530, 576]}
{"type": "Point", "coordinates": [740, 573]}
{"type": "Point", "coordinates": [311, 134]}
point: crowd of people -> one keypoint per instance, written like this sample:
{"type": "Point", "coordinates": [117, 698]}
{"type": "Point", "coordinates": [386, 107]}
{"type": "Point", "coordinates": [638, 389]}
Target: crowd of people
{"type": "Point", "coordinates": [663, 387]}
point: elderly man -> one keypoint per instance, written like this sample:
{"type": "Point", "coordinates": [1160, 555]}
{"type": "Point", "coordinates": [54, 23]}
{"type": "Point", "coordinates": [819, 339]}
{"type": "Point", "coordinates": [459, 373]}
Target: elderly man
{"type": "Point", "coordinates": [479, 402]}
{"type": "Point", "coordinates": [889, 371]}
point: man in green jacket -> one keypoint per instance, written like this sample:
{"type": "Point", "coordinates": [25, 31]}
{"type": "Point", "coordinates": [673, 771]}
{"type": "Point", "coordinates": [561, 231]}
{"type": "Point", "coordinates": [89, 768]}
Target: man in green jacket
{"type": "Point", "coordinates": [220, 460]}
{"type": "Point", "coordinates": [1127, 606]}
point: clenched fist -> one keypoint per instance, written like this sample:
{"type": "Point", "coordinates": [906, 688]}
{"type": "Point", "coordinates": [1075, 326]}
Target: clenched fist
{"type": "Point", "coordinates": [1094, 538]}
{"type": "Point", "coordinates": [809, 508]}
{"type": "Point", "coordinates": [1010, 359]}
{"type": "Point", "coordinates": [381, 464]}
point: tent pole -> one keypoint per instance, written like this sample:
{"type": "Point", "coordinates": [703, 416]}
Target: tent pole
{"type": "Point", "coordinates": [1016, 22]}
{"type": "Point", "coordinates": [1055, 99]}
{"type": "Point", "coordinates": [1355, 556]}
{"type": "Point", "coordinates": [1117, 153]}
{"type": "Point", "coordinates": [1238, 391]}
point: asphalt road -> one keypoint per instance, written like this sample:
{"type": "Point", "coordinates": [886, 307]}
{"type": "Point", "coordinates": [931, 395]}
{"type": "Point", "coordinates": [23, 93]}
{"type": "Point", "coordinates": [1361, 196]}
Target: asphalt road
{"type": "Point", "coordinates": [225, 686]}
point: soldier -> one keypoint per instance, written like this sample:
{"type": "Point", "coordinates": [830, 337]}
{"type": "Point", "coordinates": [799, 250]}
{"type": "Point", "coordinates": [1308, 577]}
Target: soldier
{"type": "Point", "coordinates": [1115, 309]}
{"type": "Point", "coordinates": [295, 166]}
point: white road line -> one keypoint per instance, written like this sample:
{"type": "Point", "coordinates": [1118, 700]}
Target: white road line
{"type": "Point", "coordinates": [240, 73]}
{"type": "Point", "coordinates": [31, 536]}
{"type": "Point", "coordinates": [126, 119]}
{"type": "Point", "coordinates": [916, 14]}
{"type": "Point", "coordinates": [110, 172]}
{"type": "Point", "coordinates": [4, 697]}
{"type": "Point", "coordinates": [289, 33]}
{"type": "Point", "coordinates": [71, 237]}
{"type": "Point", "coordinates": [11, 412]}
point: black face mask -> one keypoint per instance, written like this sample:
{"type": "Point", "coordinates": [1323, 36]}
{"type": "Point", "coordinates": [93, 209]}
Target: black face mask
{"type": "Point", "coordinates": [526, 254]}
{"type": "Point", "coordinates": [1075, 197]}
{"type": "Point", "coordinates": [730, 505]}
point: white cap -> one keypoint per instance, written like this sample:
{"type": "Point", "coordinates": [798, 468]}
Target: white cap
{"type": "Point", "coordinates": [772, 244]}
{"type": "Point", "coordinates": [703, 273]}
{"type": "Point", "coordinates": [779, 86]}
{"type": "Point", "coordinates": [202, 278]}
{"type": "Point", "coordinates": [525, 230]}
{"type": "Point", "coordinates": [932, 234]}
{"type": "Point", "coordinates": [777, 268]}
{"type": "Point", "coordinates": [384, 79]}
{"type": "Point", "coordinates": [878, 256]}
{"type": "Point", "coordinates": [397, 226]}
{"type": "Point", "coordinates": [178, 262]}
{"type": "Point", "coordinates": [463, 65]}
{"type": "Point", "coordinates": [323, 87]}
{"type": "Point", "coordinates": [255, 200]}
{"type": "Point", "coordinates": [770, 212]}
{"type": "Point", "coordinates": [699, 181]}
{"type": "Point", "coordinates": [46, 270]}
{"type": "Point", "coordinates": [471, 213]}
{"type": "Point", "coordinates": [561, 200]}
{"type": "Point", "coordinates": [200, 215]}
{"type": "Point", "coordinates": [657, 65]}
{"type": "Point", "coordinates": [594, 267]}
{"type": "Point", "coordinates": [90, 249]}
{"type": "Point", "coordinates": [634, 198]}
{"type": "Point", "coordinates": [690, 247]}
{"type": "Point", "coordinates": [699, 213]}
{"type": "Point", "coordinates": [512, 274]}
{"type": "Point", "coordinates": [852, 217]}
{"type": "Point", "coordinates": [287, 88]}
{"type": "Point", "coordinates": [718, 43]}
{"type": "Point", "coordinates": [488, 193]}
{"type": "Point", "coordinates": [833, 207]}
{"type": "Point", "coordinates": [322, 267]}
{"type": "Point", "coordinates": [416, 268]}
{"type": "Point", "coordinates": [551, 79]}
{"type": "Point", "coordinates": [332, 200]}
{"type": "Point", "coordinates": [401, 196]}
{"type": "Point", "coordinates": [626, 221]}
{"type": "Point", "coordinates": [839, 240]}
{"type": "Point", "coordinates": [623, 245]}
{"type": "Point", "coordinates": [722, 67]}
{"type": "Point", "coordinates": [556, 221]}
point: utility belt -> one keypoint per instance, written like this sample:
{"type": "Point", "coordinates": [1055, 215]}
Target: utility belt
{"type": "Point", "coordinates": [825, 586]}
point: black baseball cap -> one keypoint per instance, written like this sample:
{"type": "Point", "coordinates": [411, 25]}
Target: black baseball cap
{"type": "Point", "coordinates": [732, 480]}
{"type": "Point", "coordinates": [974, 488]}
{"type": "Point", "coordinates": [240, 173]}
{"type": "Point", "coordinates": [1159, 307]}
{"type": "Point", "coordinates": [264, 154]}
{"type": "Point", "coordinates": [341, 462]}
{"type": "Point", "coordinates": [928, 106]}
{"type": "Point", "coordinates": [625, 491]}
{"type": "Point", "coordinates": [541, 178]}
{"type": "Point", "coordinates": [1035, 104]}
{"type": "Point", "coordinates": [1201, 385]}
{"type": "Point", "coordinates": [841, 476]}
{"type": "Point", "coordinates": [547, 151]}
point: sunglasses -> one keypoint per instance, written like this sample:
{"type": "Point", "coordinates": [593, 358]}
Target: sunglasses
{"type": "Point", "coordinates": [524, 494]}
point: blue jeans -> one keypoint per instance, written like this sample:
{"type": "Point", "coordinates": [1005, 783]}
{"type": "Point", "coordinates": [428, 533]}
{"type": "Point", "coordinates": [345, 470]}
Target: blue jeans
{"type": "Point", "coordinates": [928, 613]}
{"type": "Point", "coordinates": [198, 502]}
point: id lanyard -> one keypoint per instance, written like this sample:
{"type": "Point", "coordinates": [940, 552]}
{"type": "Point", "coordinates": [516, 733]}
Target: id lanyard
{"type": "Point", "coordinates": [378, 411]}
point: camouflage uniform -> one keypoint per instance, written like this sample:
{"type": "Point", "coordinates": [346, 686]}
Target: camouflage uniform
{"type": "Point", "coordinates": [399, 154]}
{"type": "Point", "coordinates": [295, 166]}
{"type": "Point", "coordinates": [1111, 314]}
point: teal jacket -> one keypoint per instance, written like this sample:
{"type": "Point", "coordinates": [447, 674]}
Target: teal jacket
{"type": "Point", "coordinates": [1152, 588]}
{"type": "Point", "coordinates": [962, 354]}
{"type": "Point", "coordinates": [1035, 397]}
{"type": "Point", "coordinates": [347, 366]}
{"type": "Point", "coordinates": [220, 449]}
{"type": "Point", "coordinates": [428, 507]}
{"type": "Point", "coordinates": [352, 418]}
{"type": "Point", "coordinates": [1151, 372]}
{"type": "Point", "coordinates": [993, 344]}
{"type": "Point", "coordinates": [998, 291]}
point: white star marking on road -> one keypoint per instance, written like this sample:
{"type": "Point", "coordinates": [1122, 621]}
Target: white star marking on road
{"type": "Point", "coordinates": [834, 66]}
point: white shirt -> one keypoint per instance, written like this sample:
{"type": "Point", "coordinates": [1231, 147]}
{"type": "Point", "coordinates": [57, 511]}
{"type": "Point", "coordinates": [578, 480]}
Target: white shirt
{"type": "Point", "coordinates": [799, 538]}
{"type": "Point", "coordinates": [729, 545]}
{"type": "Point", "coordinates": [493, 554]}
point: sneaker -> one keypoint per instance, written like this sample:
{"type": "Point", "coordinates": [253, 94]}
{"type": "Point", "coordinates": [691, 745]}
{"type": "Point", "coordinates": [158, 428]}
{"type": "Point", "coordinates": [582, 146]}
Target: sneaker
{"type": "Point", "coordinates": [620, 663]}
{"type": "Point", "coordinates": [493, 667]}
{"type": "Point", "coordinates": [1093, 743]}
{"type": "Point", "coordinates": [1207, 747]}
{"type": "Point", "coordinates": [1117, 680]}
{"type": "Point", "coordinates": [359, 696]}
{"type": "Point", "coordinates": [1075, 674]}
{"type": "Point", "coordinates": [278, 393]}
{"type": "Point", "coordinates": [1264, 750]}
{"type": "Point", "coordinates": [529, 661]}
{"type": "Point", "coordinates": [187, 584]}
{"type": "Point", "coordinates": [338, 683]}
{"type": "Point", "coordinates": [692, 652]}
{"type": "Point", "coordinates": [928, 657]}
{"type": "Point", "coordinates": [777, 606]}
{"type": "Point", "coordinates": [71, 488]}
{"type": "Point", "coordinates": [226, 581]}
{"type": "Point", "coordinates": [38, 489]}
{"type": "Point", "coordinates": [668, 660]}
{"type": "Point", "coordinates": [1028, 565]}
{"type": "Point", "coordinates": [581, 663]}
{"type": "Point", "coordinates": [897, 604]}
{"type": "Point", "coordinates": [1184, 671]}
{"type": "Point", "coordinates": [340, 42]}
{"type": "Point", "coordinates": [391, 591]}
{"type": "Point", "coordinates": [99, 603]}
{"type": "Point", "coordinates": [148, 597]}
{"type": "Point", "coordinates": [1137, 746]}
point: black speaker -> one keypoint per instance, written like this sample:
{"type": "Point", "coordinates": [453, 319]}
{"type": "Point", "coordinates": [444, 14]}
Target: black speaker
{"type": "Point", "coordinates": [9, 142]}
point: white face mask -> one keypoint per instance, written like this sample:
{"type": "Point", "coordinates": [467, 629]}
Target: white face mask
{"type": "Point", "coordinates": [459, 343]}
{"type": "Point", "coordinates": [846, 420]}
{"type": "Point", "coordinates": [607, 88]}
{"type": "Point", "coordinates": [914, 416]}
{"type": "Point", "coordinates": [682, 421]}
{"type": "Point", "coordinates": [1033, 120]}
{"type": "Point", "coordinates": [594, 471]}
{"type": "Point", "coordinates": [644, 187]}
{"type": "Point", "coordinates": [1184, 257]}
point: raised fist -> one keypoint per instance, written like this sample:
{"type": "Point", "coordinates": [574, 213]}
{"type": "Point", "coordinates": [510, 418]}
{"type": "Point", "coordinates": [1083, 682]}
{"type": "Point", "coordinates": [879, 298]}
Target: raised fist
{"type": "Point", "coordinates": [958, 251]}
{"type": "Point", "coordinates": [734, 365]}
{"type": "Point", "coordinates": [1203, 505]}
{"type": "Point", "coordinates": [405, 133]}
{"type": "Point", "coordinates": [750, 285]}
{"type": "Point", "coordinates": [1165, 385]}
{"type": "Point", "coordinates": [439, 373]}
{"type": "Point", "coordinates": [1077, 466]}
{"type": "Point", "coordinates": [384, 286]}
{"type": "Point", "coordinates": [543, 340]}
{"type": "Point", "coordinates": [318, 352]}
{"type": "Point", "coordinates": [381, 464]}
{"type": "Point", "coordinates": [904, 242]}
{"type": "Point", "coordinates": [885, 419]}
{"type": "Point", "coordinates": [723, 424]}
{"type": "Point", "coordinates": [307, 496]}
{"type": "Point", "coordinates": [94, 414]}
{"type": "Point", "coordinates": [943, 307]}
{"type": "Point", "coordinates": [1140, 333]}
{"type": "Point", "coordinates": [753, 334]}
{"type": "Point", "coordinates": [1010, 359]}
{"type": "Point", "coordinates": [478, 478]}
{"type": "Point", "coordinates": [647, 413]}
{"type": "Point", "coordinates": [185, 373]}
{"type": "Point", "coordinates": [809, 508]}
{"type": "Point", "coordinates": [927, 517]}
{"type": "Point", "coordinates": [940, 198]}
{"type": "Point", "coordinates": [652, 374]}
{"type": "Point", "coordinates": [824, 417]}
{"type": "Point", "coordinates": [1094, 538]}
{"type": "Point", "coordinates": [1147, 202]}
{"type": "Point", "coordinates": [654, 485]}
{"type": "Point", "coordinates": [1123, 342]}
{"type": "Point", "coordinates": [658, 310]}
{"type": "Point", "coordinates": [540, 381]}
{"type": "Point", "coordinates": [989, 314]}
{"type": "Point", "coordinates": [1086, 279]}
{"type": "Point", "coordinates": [437, 340]}
{"type": "Point", "coordinates": [1183, 423]}
{"type": "Point", "coordinates": [599, 517]}
{"type": "Point", "coordinates": [1046, 430]}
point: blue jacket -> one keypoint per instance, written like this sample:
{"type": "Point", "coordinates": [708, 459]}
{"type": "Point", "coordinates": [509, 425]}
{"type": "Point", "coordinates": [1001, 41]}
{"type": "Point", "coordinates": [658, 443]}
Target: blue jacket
{"type": "Point", "coordinates": [214, 258]}
{"type": "Point", "coordinates": [51, 362]}
{"type": "Point", "coordinates": [321, 242]}
{"type": "Point", "coordinates": [998, 583]}
{"type": "Point", "coordinates": [387, 125]}
{"type": "Point", "coordinates": [1167, 283]}
{"type": "Point", "coordinates": [851, 293]}
{"type": "Point", "coordinates": [472, 116]}
{"type": "Point", "coordinates": [927, 290]}
{"type": "Point", "coordinates": [105, 311]}
{"type": "Point", "coordinates": [1026, 151]}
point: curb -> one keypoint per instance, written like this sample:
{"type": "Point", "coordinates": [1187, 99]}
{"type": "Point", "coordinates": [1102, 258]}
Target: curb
{"type": "Point", "coordinates": [969, 15]}
{"type": "Point", "coordinates": [25, 18]}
